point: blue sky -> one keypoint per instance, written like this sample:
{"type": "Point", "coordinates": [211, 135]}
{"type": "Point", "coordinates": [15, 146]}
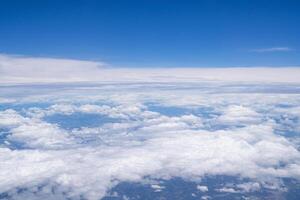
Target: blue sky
{"type": "Point", "coordinates": [155, 33]}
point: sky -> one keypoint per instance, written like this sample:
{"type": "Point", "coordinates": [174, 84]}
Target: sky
{"type": "Point", "coordinates": [155, 33]}
{"type": "Point", "coordinates": [97, 94]}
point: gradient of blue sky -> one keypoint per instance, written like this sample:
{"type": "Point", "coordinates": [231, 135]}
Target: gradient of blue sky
{"type": "Point", "coordinates": [155, 33]}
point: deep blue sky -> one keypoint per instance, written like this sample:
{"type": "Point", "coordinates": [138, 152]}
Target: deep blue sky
{"type": "Point", "coordinates": [155, 33]}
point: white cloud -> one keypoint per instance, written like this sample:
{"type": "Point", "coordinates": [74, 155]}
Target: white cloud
{"type": "Point", "coordinates": [202, 188]}
{"type": "Point", "coordinates": [20, 69]}
{"type": "Point", "coordinates": [35, 69]}
{"type": "Point", "coordinates": [205, 197]}
{"type": "Point", "coordinates": [31, 132]}
{"type": "Point", "coordinates": [157, 188]}
{"type": "Point", "coordinates": [273, 49]}
{"type": "Point", "coordinates": [239, 115]}
{"type": "Point", "coordinates": [227, 190]}
{"type": "Point", "coordinates": [9, 118]}
{"type": "Point", "coordinates": [89, 161]}
{"type": "Point", "coordinates": [83, 169]}
{"type": "Point", "coordinates": [249, 186]}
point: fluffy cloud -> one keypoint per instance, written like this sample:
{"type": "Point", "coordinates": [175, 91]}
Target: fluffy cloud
{"type": "Point", "coordinates": [227, 190]}
{"type": "Point", "coordinates": [202, 188]}
{"type": "Point", "coordinates": [31, 133]}
{"type": "Point", "coordinates": [207, 139]}
{"type": "Point", "coordinates": [10, 118]}
{"type": "Point", "coordinates": [239, 115]}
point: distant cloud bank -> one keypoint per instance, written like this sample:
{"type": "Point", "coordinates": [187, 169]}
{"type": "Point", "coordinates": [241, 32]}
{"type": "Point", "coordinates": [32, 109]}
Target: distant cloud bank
{"type": "Point", "coordinates": [20, 69]}
{"type": "Point", "coordinates": [37, 69]}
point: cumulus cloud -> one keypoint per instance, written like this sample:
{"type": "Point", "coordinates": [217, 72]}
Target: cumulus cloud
{"type": "Point", "coordinates": [239, 115]}
{"type": "Point", "coordinates": [249, 186]}
{"type": "Point", "coordinates": [157, 188]}
{"type": "Point", "coordinates": [227, 190]}
{"type": "Point", "coordinates": [202, 188]}
{"type": "Point", "coordinates": [91, 171]}
{"type": "Point", "coordinates": [87, 162]}
{"type": "Point", "coordinates": [31, 133]}
{"type": "Point", "coordinates": [224, 130]}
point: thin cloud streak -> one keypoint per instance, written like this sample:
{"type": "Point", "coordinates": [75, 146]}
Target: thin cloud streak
{"type": "Point", "coordinates": [272, 49]}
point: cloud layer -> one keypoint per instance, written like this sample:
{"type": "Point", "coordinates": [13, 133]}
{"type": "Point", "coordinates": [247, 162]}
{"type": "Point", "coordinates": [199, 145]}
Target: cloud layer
{"type": "Point", "coordinates": [31, 69]}
{"type": "Point", "coordinates": [160, 132]}
{"type": "Point", "coordinates": [18, 70]}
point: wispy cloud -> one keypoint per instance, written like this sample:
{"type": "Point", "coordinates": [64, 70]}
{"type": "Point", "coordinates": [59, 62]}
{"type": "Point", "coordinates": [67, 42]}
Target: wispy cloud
{"type": "Point", "coordinates": [272, 49]}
